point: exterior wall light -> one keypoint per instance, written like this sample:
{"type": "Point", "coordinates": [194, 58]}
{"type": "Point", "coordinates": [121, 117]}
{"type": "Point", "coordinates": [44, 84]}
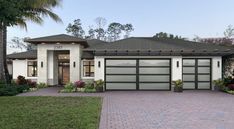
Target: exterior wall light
{"type": "Point", "coordinates": [42, 64]}
{"type": "Point", "coordinates": [218, 64]}
{"type": "Point", "coordinates": [177, 64]}
{"type": "Point", "coordinates": [74, 64]}
{"type": "Point", "coordinates": [99, 64]}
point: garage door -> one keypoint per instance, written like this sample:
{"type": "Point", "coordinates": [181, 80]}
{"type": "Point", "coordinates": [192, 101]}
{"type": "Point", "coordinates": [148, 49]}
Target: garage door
{"type": "Point", "coordinates": [138, 74]}
{"type": "Point", "coordinates": [197, 73]}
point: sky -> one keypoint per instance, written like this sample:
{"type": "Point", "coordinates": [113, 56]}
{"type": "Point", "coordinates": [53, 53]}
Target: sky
{"type": "Point", "coordinates": [187, 18]}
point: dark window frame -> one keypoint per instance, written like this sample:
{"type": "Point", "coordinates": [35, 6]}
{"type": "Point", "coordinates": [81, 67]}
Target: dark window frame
{"type": "Point", "coordinates": [89, 66]}
{"type": "Point", "coordinates": [34, 66]}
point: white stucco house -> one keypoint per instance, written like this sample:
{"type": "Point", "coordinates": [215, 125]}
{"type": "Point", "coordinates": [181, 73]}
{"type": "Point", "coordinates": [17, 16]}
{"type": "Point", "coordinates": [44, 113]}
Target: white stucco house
{"type": "Point", "coordinates": [137, 63]}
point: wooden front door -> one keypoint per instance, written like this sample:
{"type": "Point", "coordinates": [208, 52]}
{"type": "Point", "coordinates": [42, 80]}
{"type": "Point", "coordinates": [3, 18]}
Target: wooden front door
{"type": "Point", "coordinates": [64, 73]}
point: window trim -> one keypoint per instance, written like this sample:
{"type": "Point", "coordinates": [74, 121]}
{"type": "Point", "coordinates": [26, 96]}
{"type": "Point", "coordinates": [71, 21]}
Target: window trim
{"type": "Point", "coordinates": [83, 72]}
{"type": "Point", "coordinates": [34, 65]}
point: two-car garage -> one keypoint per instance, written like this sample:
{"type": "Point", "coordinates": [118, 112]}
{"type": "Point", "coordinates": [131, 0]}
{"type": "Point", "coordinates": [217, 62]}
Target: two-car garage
{"type": "Point", "coordinates": [138, 74]}
{"type": "Point", "coordinates": [155, 74]}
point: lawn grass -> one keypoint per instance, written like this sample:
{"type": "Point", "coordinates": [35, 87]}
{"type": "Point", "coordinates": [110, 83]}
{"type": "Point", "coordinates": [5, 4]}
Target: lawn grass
{"type": "Point", "coordinates": [50, 112]}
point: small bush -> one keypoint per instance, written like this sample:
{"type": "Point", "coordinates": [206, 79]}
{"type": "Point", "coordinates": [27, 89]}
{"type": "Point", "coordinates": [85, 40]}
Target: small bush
{"type": "Point", "coordinates": [42, 85]}
{"type": "Point", "coordinates": [230, 86]}
{"type": "Point", "coordinates": [21, 80]}
{"type": "Point", "coordinates": [31, 84]}
{"type": "Point", "coordinates": [79, 84]}
{"type": "Point", "coordinates": [68, 88]}
{"type": "Point", "coordinates": [8, 90]}
{"type": "Point", "coordinates": [22, 88]}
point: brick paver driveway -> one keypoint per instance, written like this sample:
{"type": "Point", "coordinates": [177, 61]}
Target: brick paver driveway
{"type": "Point", "coordinates": [167, 110]}
{"type": "Point", "coordinates": [160, 109]}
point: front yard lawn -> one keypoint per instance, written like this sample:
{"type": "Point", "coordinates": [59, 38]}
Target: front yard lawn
{"type": "Point", "coordinates": [50, 112]}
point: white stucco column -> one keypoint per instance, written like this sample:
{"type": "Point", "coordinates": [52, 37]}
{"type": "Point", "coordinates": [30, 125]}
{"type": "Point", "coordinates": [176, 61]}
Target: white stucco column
{"type": "Point", "coordinates": [216, 69]}
{"type": "Point", "coordinates": [99, 68]}
{"type": "Point", "coordinates": [42, 64]}
{"type": "Point", "coordinates": [75, 61]}
{"type": "Point", "coordinates": [176, 69]}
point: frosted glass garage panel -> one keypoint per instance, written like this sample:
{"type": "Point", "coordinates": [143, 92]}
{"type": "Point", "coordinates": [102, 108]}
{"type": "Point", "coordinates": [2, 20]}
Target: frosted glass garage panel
{"type": "Point", "coordinates": [203, 85]}
{"type": "Point", "coordinates": [120, 62]}
{"type": "Point", "coordinates": [154, 62]}
{"type": "Point", "coordinates": [203, 69]}
{"type": "Point", "coordinates": [188, 69]}
{"type": "Point", "coordinates": [120, 86]}
{"type": "Point", "coordinates": [188, 85]}
{"type": "Point", "coordinates": [203, 77]}
{"type": "Point", "coordinates": [203, 62]}
{"type": "Point", "coordinates": [154, 86]}
{"type": "Point", "coordinates": [145, 78]}
{"type": "Point", "coordinates": [120, 70]}
{"type": "Point", "coordinates": [121, 78]}
{"type": "Point", "coordinates": [189, 62]}
{"type": "Point", "coordinates": [189, 78]}
{"type": "Point", "coordinates": [154, 70]}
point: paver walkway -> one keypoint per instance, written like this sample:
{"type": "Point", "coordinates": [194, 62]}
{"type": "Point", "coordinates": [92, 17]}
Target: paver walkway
{"type": "Point", "coordinates": [160, 109]}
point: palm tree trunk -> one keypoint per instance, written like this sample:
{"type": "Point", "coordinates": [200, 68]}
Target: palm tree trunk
{"type": "Point", "coordinates": [6, 72]}
{"type": "Point", "coordinates": [1, 53]}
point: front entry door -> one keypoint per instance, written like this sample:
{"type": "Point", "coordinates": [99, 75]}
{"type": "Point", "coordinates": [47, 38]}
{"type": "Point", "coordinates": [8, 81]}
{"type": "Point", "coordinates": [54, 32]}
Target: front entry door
{"type": "Point", "coordinates": [64, 73]}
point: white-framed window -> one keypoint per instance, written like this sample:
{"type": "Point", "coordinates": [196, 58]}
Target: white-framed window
{"type": "Point", "coordinates": [88, 68]}
{"type": "Point", "coordinates": [32, 68]}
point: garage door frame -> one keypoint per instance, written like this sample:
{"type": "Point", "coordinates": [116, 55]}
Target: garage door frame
{"type": "Point", "coordinates": [137, 73]}
{"type": "Point", "coordinates": [196, 66]}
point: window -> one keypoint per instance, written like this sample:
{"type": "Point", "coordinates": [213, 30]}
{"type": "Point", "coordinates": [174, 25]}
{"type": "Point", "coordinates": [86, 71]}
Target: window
{"type": "Point", "coordinates": [88, 68]}
{"type": "Point", "coordinates": [32, 68]}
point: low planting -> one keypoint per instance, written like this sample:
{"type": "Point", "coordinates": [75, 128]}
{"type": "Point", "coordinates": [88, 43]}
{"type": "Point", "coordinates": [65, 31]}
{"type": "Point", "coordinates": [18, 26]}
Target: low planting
{"type": "Point", "coordinates": [225, 85]}
{"type": "Point", "coordinates": [50, 112]}
{"type": "Point", "coordinates": [20, 85]}
{"type": "Point", "coordinates": [178, 85]}
{"type": "Point", "coordinates": [80, 86]}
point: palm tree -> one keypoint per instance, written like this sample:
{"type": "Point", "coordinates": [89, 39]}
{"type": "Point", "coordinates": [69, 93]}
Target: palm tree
{"type": "Point", "coordinates": [20, 12]}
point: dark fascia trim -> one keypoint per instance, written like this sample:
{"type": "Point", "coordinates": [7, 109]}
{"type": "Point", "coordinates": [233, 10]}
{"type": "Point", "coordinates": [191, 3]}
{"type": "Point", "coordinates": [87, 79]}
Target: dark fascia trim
{"type": "Point", "coordinates": [22, 58]}
{"type": "Point", "coordinates": [84, 43]}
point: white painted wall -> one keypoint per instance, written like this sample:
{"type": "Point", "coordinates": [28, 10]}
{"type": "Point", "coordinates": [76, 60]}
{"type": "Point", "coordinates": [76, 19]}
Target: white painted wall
{"type": "Point", "coordinates": [176, 71]}
{"type": "Point", "coordinates": [99, 71]}
{"type": "Point", "coordinates": [20, 68]}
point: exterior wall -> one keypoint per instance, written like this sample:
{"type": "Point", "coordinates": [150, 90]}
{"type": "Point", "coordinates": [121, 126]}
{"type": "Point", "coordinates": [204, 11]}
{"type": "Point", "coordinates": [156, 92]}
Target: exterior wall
{"type": "Point", "coordinates": [20, 68]}
{"type": "Point", "coordinates": [45, 55]}
{"type": "Point", "coordinates": [99, 71]}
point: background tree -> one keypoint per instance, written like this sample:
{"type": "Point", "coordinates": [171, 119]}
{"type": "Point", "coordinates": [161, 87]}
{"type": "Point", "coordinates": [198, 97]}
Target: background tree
{"type": "Point", "coordinates": [229, 32]}
{"type": "Point", "coordinates": [100, 31]}
{"type": "Point", "coordinates": [76, 29]}
{"type": "Point", "coordinates": [91, 33]}
{"type": "Point", "coordinates": [127, 28]}
{"type": "Point", "coordinates": [19, 43]}
{"type": "Point", "coordinates": [17, 12]}
{"type": "Point", "coordinates": [163, 35]}
{"type": "Point", "coordinates": [114, 30]}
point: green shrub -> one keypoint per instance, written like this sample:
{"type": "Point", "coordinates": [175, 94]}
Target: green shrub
{"type": "Point", "coordinates": [68, 88]}
{"type": "Point", "coordinates": [178, 83]}
{"type": "Point", "coordinates": [8, 90]}
{"type": "Point", "coordinates": [22, 88]}
{"type": "Point", "coordinates": [42, 85]}
{"type": "Point", "coordinates": [89, 88]}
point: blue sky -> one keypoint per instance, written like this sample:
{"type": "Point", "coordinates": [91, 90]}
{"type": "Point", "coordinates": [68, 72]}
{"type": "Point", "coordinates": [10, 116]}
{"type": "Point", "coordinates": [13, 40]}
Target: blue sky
{"type": "Point", "coordinates": [205, 18]}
